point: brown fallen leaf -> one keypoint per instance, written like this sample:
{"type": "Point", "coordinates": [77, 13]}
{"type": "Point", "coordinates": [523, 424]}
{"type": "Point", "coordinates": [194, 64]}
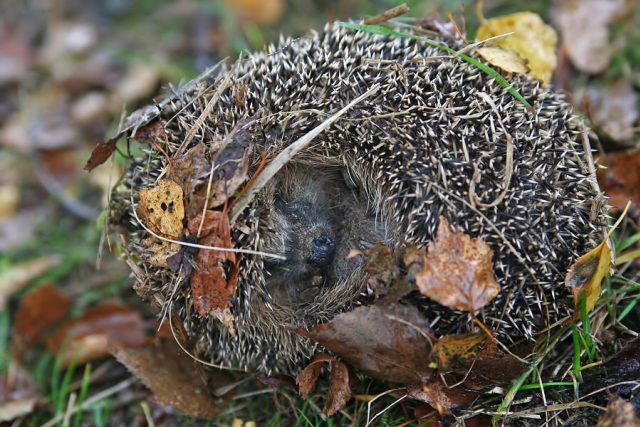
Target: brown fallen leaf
{"type": "Point", "coordinates": [457, 271]}
{"type": "Point", "coordinates": [190, 171]}
{"type": "Point", "coordinates": [18, 276]}
{"type": "Point", "coordinates": [308, 377]}
{"type": "Point", "coordinates": [39, 310]}
{"type": "Point", "coordinates": [621, 179]}
{"type": "Point", "coordinates": [532, 40]}
{"type": "Point", "coordinates": [174, 378]}
{"type": "Point", "coordinates": [583, 25]}
{"type": "Point", "coordinates": [87, 337]}
{"type": "Point", "coordinates": [212, 285]}
{"type": "Point", "coordinates": [619, 413]}
{"type": "Point", "coordinates": [476, 361]}
{"type": "Point", "coordinates": [586, 274]}
{"type": "Point", "coordinates": [18, 393]}
{"type": "Point", "coordinates": [391, 342]}
{"type": "Point", "coordinates": [161, 208]}
{"type": "Point", "coordinates": [150, 133]}
{"type": "Point", "coordinates": [100, 154]}
{"type": "Point", "coordinates": [339, 391]}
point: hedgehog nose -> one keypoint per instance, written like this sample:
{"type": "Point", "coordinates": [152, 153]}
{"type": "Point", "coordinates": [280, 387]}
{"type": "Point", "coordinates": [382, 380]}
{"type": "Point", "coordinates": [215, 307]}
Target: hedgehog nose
{"type": "Point", "coordinates": [322, 251]}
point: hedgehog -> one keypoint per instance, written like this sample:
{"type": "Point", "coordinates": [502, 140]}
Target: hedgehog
{"type": "Point", "coordinates": [439, 139]}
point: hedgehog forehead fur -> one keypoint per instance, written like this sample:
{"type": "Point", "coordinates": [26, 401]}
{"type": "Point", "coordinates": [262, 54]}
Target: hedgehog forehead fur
{"type": "Point", "coordinates": [393, 165]}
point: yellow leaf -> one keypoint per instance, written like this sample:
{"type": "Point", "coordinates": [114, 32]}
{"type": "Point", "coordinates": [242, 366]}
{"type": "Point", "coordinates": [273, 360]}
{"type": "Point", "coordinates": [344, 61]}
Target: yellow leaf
{"type": "Point", "coordinates": [586, 274]}
{"type": "Point", "coordinates": [506, 59]}
{"type": "Point", "coordinates": [532, 39]}
{"type": "Point", "coordinates": [162, 208]}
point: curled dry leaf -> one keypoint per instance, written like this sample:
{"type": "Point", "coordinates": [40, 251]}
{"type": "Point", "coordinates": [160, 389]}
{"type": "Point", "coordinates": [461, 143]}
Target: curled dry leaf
{"type": "Point", "coordinates": [39, 310]}
{"type": "Point", "coordinates": [391, 342]}
{"type": "Point", "coordinates": [150, 133]}
{"type": "Point", "coordinates": [339, 391]}
{"type": "Point", "coordinates": [457, 272]}
{"type": "Point", "coordinates": [100, 154]}
{"type": "Point", "coordinates": [586, 274]}
{"type": "Point", "coordinates": [161, 208]}
{"type": "Point", "coordinates": [174, 378]}
{"type": "Point", "coordinates": [506, 59]}
{"type": "Point", "coordinates": [619, 413]}
{"type": "Point", "coordinates": [588, 50]}
{"type": "Point", "coordinates": [215, 278]}
{"type": "Point", "coordinates": [88, 336]}
{"type": "Point", "coordinates": [532, 40]}
{"type": "Point", "coordinates": [308, 377]}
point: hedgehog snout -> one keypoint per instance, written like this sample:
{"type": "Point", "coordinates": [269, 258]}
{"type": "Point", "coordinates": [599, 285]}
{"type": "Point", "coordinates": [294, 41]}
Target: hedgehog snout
{"type": "Point", "coordinates": [323, 249]}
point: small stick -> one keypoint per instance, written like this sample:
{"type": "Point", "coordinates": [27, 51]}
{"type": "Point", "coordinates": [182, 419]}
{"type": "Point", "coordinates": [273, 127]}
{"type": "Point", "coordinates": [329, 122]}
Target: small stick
{"type": "Point", "coordinates": [287, 154]}
{"type": "Point", "coordinates": [394, 12]}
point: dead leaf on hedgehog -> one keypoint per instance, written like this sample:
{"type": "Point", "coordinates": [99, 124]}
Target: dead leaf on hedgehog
{"type": "Point", "coordinates": [354, 138]}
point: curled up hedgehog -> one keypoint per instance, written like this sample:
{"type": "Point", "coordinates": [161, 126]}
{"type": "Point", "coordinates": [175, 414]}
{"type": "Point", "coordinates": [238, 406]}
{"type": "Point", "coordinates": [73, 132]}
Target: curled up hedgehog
{"type": "Point", "coordinates": [426, 135]}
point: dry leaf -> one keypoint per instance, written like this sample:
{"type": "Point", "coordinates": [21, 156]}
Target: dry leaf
{"type": "Point", "coordinates": [161, 208]}
{"type": "Point", "coordinates": [88, 336]}
{"type": "Point", "coordinates": [339, 391]}
{"type": "Point", "coordinates": [586, 274]}
{"type": "Point", "coordinates": [621, 178]}
{"type": "Point", "coordinates": [190, 170]}
{"type": "Point", "coordinates": [454, 351]}
{"type": "Point", "coordinates": [40, 309]}
{"type": "Point", "coordinates": [583, 25]}
{"type": "Point", "coordinates": [18, 393]}
{"type": "Point", "coordinates": [100, 154]}
{"type": "Point", "coordinates": [532, 39]}
{"type": "Point", "coordinates": [212, 286]}
{"type": "Point", "coordinates": [475, 360]}
{"type": "Point", "coordinates": [506, 59]}
{"type": "Point", "coordinates": [457, 271]}
{"type": "Point", "coordinates": [21, 274]}
{"type": "Point", "coordinates": [619, 413]}
{"type": "Point", "coordinates": [174, 378]}
{"type": "Point", "coordinates": [308, 377]}
{"type": "Point", "coordinates": [391, 342]}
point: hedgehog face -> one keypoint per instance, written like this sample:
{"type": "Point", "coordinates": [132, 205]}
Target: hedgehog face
{"type": "Point", "coordinates": [315, 219]}
{"type": "Point", "coordinates": [307, 235]}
